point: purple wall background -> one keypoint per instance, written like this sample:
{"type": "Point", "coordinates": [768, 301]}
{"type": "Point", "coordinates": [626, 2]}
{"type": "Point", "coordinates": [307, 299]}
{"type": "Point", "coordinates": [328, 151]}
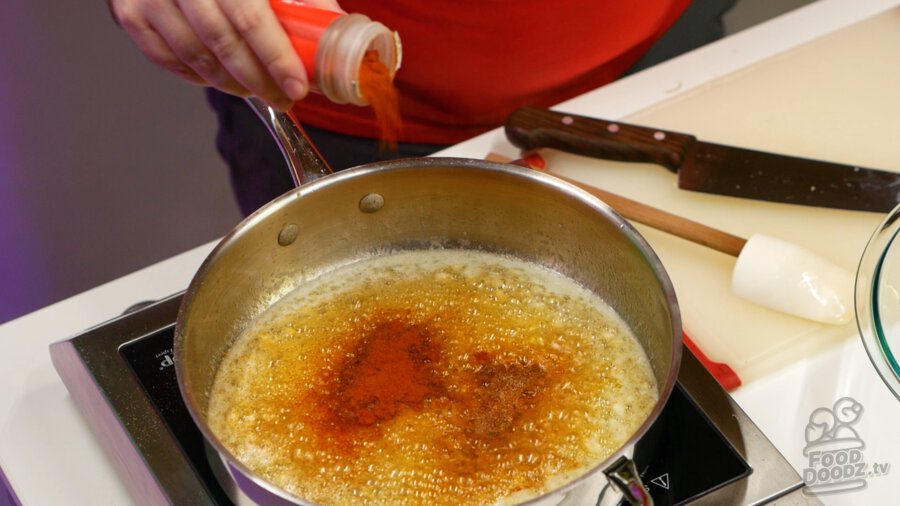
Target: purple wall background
{"type": "Point", "coordinates": [107, 164]}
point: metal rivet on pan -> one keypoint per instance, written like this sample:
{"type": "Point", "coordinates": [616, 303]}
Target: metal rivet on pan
{"type": "Point", "coordinates": [288, 234]}
{"type": "Point", "coordinates": [371, 203]}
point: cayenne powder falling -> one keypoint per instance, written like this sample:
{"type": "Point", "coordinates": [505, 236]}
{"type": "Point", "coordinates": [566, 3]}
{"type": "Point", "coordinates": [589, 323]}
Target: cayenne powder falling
{"type": "Point", "coordinates": [377, 87]}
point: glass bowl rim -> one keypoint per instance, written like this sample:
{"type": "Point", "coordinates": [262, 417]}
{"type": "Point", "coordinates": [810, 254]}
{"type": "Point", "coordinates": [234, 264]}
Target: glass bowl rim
{"type": "Point", "coordinates": [867, 299]}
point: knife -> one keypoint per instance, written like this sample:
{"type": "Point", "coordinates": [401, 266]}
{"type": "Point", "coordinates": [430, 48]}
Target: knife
{"type": "Point", "coordinates": [707, 167]}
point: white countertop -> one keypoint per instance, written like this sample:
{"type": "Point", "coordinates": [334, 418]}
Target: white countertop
{"type": "Point", "coordinates": [49, 455]}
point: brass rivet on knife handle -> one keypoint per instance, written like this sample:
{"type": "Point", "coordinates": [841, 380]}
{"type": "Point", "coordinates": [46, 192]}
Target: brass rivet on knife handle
{"type": "Point", "coordinates": [531, 128]}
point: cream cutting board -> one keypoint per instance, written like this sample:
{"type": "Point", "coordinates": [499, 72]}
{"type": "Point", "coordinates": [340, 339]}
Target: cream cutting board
{"type": "Point", "coordinates": [836, 98]}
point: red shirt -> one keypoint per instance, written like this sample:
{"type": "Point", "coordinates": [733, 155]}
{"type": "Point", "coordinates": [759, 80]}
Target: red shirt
{"type": "Point", "coordinates": [468, 63]}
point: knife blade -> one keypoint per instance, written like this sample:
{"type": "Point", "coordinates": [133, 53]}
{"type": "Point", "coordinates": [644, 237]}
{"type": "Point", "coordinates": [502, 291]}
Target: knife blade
{"type": "Point", "coordinates": [707, 167]}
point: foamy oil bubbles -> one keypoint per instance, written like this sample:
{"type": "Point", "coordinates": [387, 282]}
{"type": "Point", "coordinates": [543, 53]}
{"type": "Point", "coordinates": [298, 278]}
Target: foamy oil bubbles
{"type": "Point", "coordinates": [518, 365]}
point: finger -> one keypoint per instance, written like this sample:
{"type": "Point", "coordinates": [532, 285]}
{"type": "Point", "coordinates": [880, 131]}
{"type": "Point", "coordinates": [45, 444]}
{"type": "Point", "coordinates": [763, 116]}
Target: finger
{"type": "Point", "coordinates": [215, 29]}
{"type": "Point", "coordinates": [150, 43]}
{"type": "Point", "coordinates": [172, 26]}
{"type": "Point", "coordinates": [130, 16]}
{"type": "Point", "coordinates": [112, 12]}
{"type": "Point", "coordinates": [256, 22]}
{"type": "Point", "coordinates": [156, 50]}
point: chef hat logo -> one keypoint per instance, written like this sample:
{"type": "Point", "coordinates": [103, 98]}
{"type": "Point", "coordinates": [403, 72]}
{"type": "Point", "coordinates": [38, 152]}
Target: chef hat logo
{"type": "Point", "coordinates": [830, 429]}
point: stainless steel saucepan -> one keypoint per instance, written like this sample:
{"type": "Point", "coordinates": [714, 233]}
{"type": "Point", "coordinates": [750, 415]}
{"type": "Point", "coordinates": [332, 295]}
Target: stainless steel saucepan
{"type": "Point", "coordinates": [335, 219]}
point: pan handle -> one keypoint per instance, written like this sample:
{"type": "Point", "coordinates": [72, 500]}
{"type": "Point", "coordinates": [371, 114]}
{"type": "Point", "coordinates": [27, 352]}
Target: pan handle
{"type": "Point", "coordinates": [302, 157]}
{"type": "Point", "coordinates": [624, 477]}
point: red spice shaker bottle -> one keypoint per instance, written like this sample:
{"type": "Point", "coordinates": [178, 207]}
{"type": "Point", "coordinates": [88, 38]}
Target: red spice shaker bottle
{"type": "Point", "coordinates": [332, 46]}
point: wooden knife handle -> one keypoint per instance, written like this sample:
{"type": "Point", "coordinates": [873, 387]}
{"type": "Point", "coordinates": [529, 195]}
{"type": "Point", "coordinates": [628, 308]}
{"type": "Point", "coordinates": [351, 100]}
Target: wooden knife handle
{"type": "Point", "coordinates": [531, 128]}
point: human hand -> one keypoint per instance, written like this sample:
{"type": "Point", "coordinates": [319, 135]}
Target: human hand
{"type": "Point", "coordinates": [237, 46]}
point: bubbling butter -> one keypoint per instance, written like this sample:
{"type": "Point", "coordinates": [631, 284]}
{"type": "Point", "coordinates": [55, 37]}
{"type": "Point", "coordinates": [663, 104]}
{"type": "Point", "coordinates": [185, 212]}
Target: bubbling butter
{"type": "Point", "coordinates": [431, 377]}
